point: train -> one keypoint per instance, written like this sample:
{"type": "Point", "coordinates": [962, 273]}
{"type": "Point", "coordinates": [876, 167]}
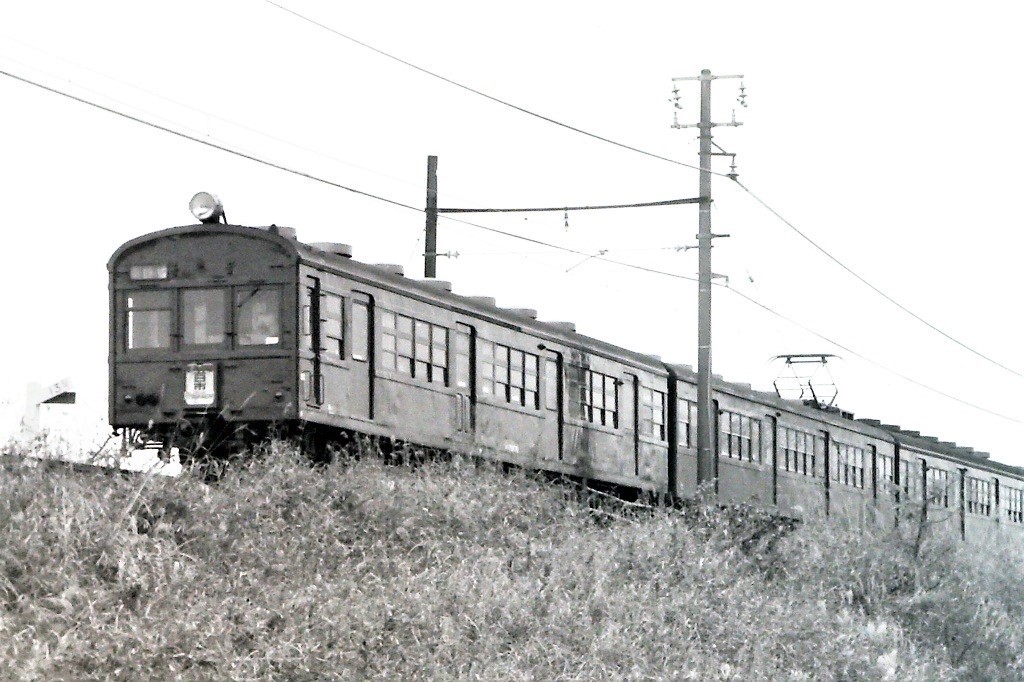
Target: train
{"type": "Point", "coordinates": [221, 334]}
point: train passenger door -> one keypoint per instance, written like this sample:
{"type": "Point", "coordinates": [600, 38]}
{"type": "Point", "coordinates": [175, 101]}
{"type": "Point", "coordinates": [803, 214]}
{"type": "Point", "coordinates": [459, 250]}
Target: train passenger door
{"type": "Point", "coordinates": [631, 424]}
{"type": "Point", "coordinates": [362, 374]}
{"type": "Point", "coordinates": [465, 379]}
{"type": "Point", "coordinates": [311, 329]}
{"type": "Point", "coordinates": [773, 452]}
{"type": "Point", "coordinates": [554, 405]}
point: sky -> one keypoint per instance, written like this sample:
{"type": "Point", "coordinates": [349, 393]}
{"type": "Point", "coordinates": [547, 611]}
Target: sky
{"type": "Point", "coordinates": [883, 132]}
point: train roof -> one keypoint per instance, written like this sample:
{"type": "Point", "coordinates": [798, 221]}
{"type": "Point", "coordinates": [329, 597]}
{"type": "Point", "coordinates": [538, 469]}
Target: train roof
{"type": "Point", "coordinates": [907, 438]}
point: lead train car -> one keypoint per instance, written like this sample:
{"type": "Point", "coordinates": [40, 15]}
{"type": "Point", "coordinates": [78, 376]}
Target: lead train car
{"type": "Point", "coordinates": [221, 333]}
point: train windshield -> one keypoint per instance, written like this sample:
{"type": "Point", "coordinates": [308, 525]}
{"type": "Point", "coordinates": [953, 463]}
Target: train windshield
{"type": "Point", "coordinates": [203, 313]}
{"type": "Point", "coordinates": [149, 319]}
{"type": "Point", "coordinates": [258, 315]}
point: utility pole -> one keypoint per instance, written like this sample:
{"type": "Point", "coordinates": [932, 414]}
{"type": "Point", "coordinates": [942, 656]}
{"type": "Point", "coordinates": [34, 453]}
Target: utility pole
{"type": "Point", "coordinates": [707, 458]}
{"type": "Point", "coordinates": [430, 243]}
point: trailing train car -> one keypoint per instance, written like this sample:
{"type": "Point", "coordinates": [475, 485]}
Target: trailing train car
{"type": "Point", "coordinates": [222, 334]}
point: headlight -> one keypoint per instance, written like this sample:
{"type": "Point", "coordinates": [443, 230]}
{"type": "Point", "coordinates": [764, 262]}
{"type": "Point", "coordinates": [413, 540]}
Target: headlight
{"type": "Point", "coordinates": [206, 207]}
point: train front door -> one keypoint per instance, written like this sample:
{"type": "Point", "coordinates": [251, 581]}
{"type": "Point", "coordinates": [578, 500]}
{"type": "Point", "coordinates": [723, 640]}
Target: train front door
{"type": "Point", "coordinates": [362, 374]}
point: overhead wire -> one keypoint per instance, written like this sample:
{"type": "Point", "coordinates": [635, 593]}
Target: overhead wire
{"type": "Point", "coordinates": [656, 156]}
{"type": "Point", "coordinates": [871, 286]}
{"type": "Point", "coordinates": [208, 143]}
{"type": "Point", "coordinates": [203, 112]}
{"type": "Point", "coordinates": [879, 365]}
{"type": "Point", "coordinates": [506, 233]}
{"type": "Point", "coordinates": [492, 98]}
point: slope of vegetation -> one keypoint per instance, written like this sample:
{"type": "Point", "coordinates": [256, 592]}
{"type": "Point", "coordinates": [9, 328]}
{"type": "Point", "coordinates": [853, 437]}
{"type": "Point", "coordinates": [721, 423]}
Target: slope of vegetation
{"type": "Point", "coordinates": [449, 570]}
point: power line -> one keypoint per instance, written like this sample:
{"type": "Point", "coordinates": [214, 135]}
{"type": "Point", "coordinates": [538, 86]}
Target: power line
{"type": "Point", "coordinates": [467, 88]}
{"type": "Point", "coordinates": [871, 286]}
{"type": "Point", "coordinates": [392, 202]}
{"type": "Point", "coordinates": [208, 143]}
{"type": "Point", "coordinates": [760, 305]}
{"type": "Point", "coordinates": [567, 249]}
{"type": "Point", "coordinates": [870, 361]}
{"type": "Point", "coordinates": [208, 114]}
{"type": "Point", "coordinates": [650, 154]}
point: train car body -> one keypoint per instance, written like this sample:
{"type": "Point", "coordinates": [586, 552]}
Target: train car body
{"type": "Point", "coordinates": [238, 331]}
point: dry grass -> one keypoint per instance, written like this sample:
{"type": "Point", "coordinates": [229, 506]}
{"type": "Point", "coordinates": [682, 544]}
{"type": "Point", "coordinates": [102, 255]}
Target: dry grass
{"type": "Point", "coordinates": [448, 570]}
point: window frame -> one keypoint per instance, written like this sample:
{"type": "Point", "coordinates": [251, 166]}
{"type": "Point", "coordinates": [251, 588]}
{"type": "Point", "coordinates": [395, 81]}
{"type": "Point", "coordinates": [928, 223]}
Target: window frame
{"type": "Point", "coordinates": [225, 313]}
{"type": "Point", "coordinates": [332, 325]}
{"type": "Point", "coordinates": [594, 391]}
{"type": "Point", "coordinates": [739, 437]}
{"type": "Point", "coordinates": [798, 447]}
{"type": "Point", "coordinates": [1014, 506]}
{"type": "Point", "coordinates": [507, 374]}
{"type": "Point", "coordinates": [686, 422]}
{"type": "Point", "coordinates": [653, 421]}
{"type": "Point", "coordinates": [979, 496]}
{"type": "Point", "coordinates": [848, 462]}
{"type": "Point", "coordinates": [236, 314]}
{"type": "Point", "coordinates": [419, 349]}
{"type": "Point", "coordinates": [938, 478]}
{"type": "Point", "coordinates": [169, 307]}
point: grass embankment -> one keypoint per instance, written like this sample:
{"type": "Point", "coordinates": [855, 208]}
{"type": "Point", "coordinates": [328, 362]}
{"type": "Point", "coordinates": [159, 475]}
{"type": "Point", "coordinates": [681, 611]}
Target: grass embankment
{"type": "Point", "coordinates": [453, 571]}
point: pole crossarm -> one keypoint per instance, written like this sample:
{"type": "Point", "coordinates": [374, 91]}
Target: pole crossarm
{"type": "Point", "coordinates": [669, 202]}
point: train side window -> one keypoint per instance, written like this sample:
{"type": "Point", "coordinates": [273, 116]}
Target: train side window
{"type": "Point", "coordinates": [332, 314]}
{"type": "Point", "coordinates": [410, 346]}
{"type": "Point", "coordinates": [509, 374]}
{"type": "Point", "coordinates": [307, 326]}
{"type": "Point", "coordinates": [388, 340]}
{"type": "Point", "coordinates": [740, 437]}
{"type": "Point", "coordinates": [406, 356]}
{"type": "Point", "coordinates": [551, 384]}
{"type": "Point", "coordinates": [1014, 504]}
{"type": "Point", "coordinates": [598, 396]}
{"type": "Point", "coordinates": [687, 418]}
{"type": "Point", "coordinates": [501, 380]}
{"type": "Point", "coordinates": [463, 356]}
{"type": "Point", "coordinates": [886, 470]}
{"type": "Point", "coordinates": [203, 316]}
{"type": "Point", "coordinates": [611, 402]}
{"type": "Point", "coordinates": [798, 451]}
{"type": "Point", "coordinates": [149, 320]}
{"type": "Point", "coordinates": [516, 376]}
{"type": "Point", "coordinates": [421, 355]}
{"type": "Point", "coordinates": [909, 476]}
{"type": "Point", "coordinates": [938, 486]}
{"type": "Point", "coordinates": [258, 312]}
{"type": "Point", "coordinates": [847, 464]}
{"type": "Point", "coordinates": [360, 331]}
{"type": "Point", "coordinates": [438, 355]}
{"type": "Point", "coordinates": [653, 415]}
{"type": "Point", "coordinates": [979, 496]}
{"type": "Point", "coordinates": [486, 349]}
{"type": "Point", "coordinates": [575, 402]}
{"type": "Point", "coordinates": [531, 383]}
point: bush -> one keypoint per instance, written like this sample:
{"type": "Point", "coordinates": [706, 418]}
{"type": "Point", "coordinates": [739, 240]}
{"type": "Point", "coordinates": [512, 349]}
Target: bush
{"type": "Point", "coordinates": [452, 570]}
{"type": "Point", "coordinates": [965, 601]}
